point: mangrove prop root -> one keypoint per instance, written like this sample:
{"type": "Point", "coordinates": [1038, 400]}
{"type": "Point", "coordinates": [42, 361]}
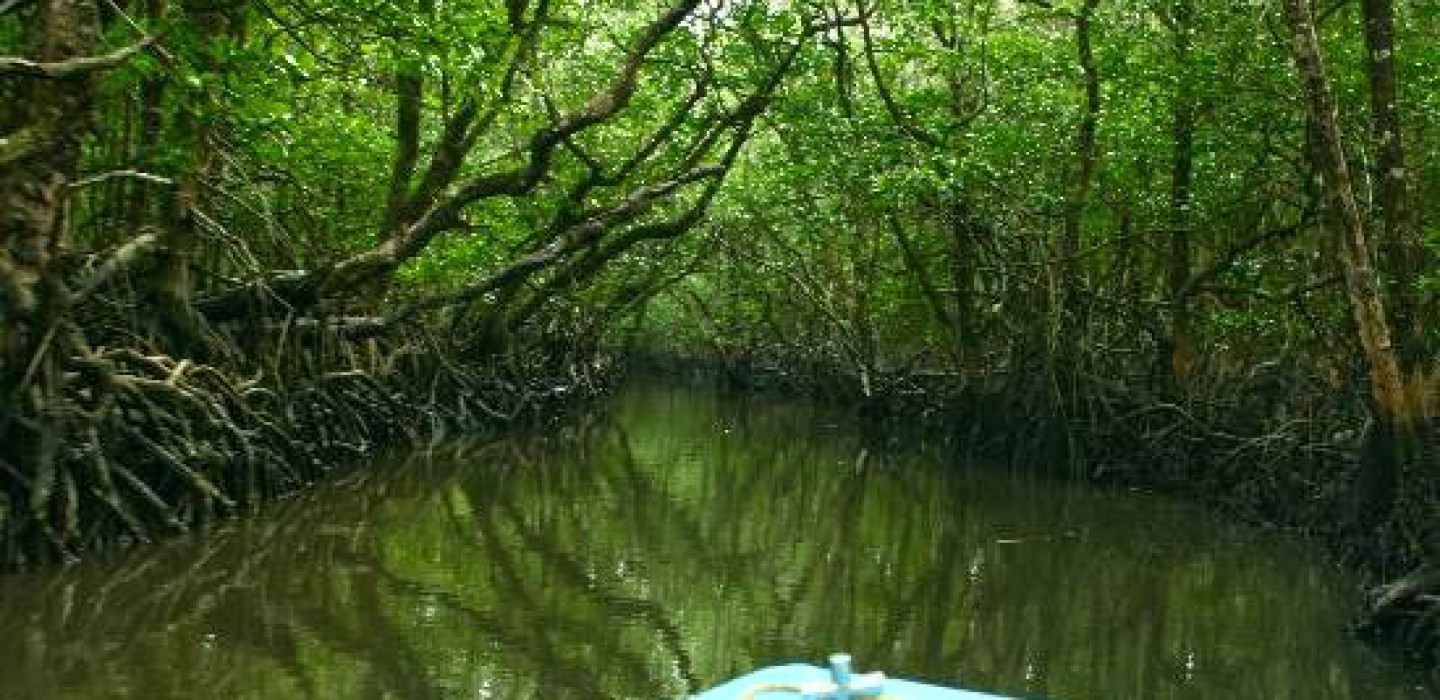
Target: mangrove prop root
{"type": "Point", "coordinates": [137, 445]}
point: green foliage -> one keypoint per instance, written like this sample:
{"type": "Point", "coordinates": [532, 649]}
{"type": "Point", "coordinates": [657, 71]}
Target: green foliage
{"type": "Point", "coordinates": [981, 191]}
{"type": "Point", "coordinates": [903, 191]}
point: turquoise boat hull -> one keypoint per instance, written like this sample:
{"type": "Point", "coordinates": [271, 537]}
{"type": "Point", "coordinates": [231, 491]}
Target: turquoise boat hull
{"type": "Point", "coordinates": [744, 688]}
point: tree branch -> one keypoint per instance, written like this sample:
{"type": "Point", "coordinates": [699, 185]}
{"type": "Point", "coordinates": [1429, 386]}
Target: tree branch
{"type": "Point", "coordinates": [124, 258]}
{"type": "Point", "coordinates": [70, 68]}
{"type": "Point", "coordinates": [408, 241]}
{"type": "Point", "coordinates": [123, 174]}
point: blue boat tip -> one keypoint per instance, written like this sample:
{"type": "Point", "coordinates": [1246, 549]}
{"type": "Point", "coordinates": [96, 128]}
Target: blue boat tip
{"type": "Point", "coordinates": [839, 682]}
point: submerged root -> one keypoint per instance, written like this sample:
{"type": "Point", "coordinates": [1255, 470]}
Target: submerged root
{"type": "Point", "coordinates": [1407, 613]}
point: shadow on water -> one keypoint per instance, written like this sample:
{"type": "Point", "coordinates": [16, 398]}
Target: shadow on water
{"type": "Point", "coordinates": [677, 539]}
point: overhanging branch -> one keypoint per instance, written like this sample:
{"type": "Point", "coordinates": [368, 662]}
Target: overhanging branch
{"type": "Point", "coordinates": [70, 68]}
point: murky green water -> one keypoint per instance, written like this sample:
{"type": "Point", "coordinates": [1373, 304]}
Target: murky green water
{"type": "Point", "coordinates": [677, 539]}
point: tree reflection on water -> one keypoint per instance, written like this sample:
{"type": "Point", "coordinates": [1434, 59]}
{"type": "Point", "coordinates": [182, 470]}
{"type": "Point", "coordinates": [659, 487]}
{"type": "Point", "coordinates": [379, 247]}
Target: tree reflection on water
{"type": "Point", "coordinates": [679, 539]}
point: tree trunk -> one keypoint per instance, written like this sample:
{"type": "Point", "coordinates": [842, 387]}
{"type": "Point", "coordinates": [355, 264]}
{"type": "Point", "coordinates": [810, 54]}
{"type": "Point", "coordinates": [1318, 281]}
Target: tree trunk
{"type": "Point", "coordinates": [1402, 252]}
{"type": "Point", "coordinates": [409, 89]}
{"type": "Point", "coordinates": [174, 283]}
{"type": "Point", "coordinates": [54, 118]}
{"type": "Point", "coordinates": [54, 115]}
{"type": "Point", "coordinates": [1182, 174]}
{"type": "Point", "coordinates": [1376, 489]}
{"type": "Point", "coordinates": [916, 266]}
{"type": "Point", "coordinates": [1086, 154]}
{"type": "Point", "coordinates": [140, 203]}
{"type": "Point", "coordinates": [965, 238]}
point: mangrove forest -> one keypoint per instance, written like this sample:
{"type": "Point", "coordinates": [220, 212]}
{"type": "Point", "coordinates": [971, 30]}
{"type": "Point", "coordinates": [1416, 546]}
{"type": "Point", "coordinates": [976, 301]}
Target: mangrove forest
{"type": "Point", "coordinates": [1175, 256]}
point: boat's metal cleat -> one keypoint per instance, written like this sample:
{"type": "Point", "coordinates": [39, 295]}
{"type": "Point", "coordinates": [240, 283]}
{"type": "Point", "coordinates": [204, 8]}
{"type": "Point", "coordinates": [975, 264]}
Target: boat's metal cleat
{"type": "Point", "coordinates": [844, 684]}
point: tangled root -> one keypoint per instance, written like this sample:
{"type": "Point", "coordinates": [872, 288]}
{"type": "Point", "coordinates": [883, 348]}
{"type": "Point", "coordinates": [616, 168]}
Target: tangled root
{"type": "Point", "coordinates": [133, 447]}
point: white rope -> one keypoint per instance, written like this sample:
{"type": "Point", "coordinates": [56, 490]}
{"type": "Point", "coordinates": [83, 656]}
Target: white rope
{"type": "Point", "coordinates": [771, 688]}
{"type": "Point", "coordinates": [792, 688]}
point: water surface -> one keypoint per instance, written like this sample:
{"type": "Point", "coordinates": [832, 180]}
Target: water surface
{"type": "Point", "coordinates": [676, 537]}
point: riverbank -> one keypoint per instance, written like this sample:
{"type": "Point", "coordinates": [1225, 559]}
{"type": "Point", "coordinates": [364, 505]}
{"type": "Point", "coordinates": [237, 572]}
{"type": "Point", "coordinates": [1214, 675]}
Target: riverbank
{"type": "Point", "coordinates": [167, 446]}
{"type": "Point", "coordinates": [1282, 459]}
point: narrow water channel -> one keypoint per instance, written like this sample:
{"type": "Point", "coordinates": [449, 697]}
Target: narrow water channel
{"type": "Point", "coordinates": [677, 537]}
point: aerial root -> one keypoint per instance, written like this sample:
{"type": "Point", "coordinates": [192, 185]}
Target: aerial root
{"type": "Point", "coordinates": [136, 446]}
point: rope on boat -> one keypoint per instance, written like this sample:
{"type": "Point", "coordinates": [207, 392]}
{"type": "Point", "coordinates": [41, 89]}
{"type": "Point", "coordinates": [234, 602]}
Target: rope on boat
{"type": "Point", "coordinates": [772, 688]}
{"type": "Point", "coordinates": [805, 691]}
{"type": "Point", "coordinates": [844, 683]}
